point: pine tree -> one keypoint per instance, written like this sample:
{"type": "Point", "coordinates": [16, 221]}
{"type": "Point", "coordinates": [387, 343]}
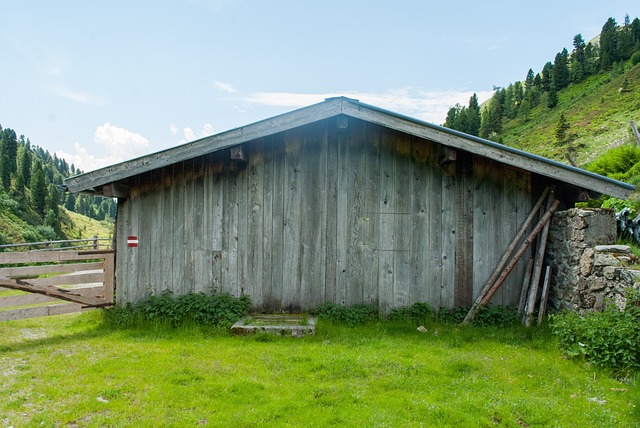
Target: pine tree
{"type": "Point", "coordinates": [547, 76]}
{"type": "Point", "coordinates": [473, 116]}
{"type": "Point", "coordinates": [38, 189]}
{"type": "Point", "coordinates": [25, 163]}
{"type": "Point", "coordinates": [492, 117]}
{"type": "Point", "coordinates": [591, 59]}
{"type": "Point", "coordinates": [578, 59]}
{"type": "Point", "coordinates": [562, 127]}
{"type": "Point", "coordinates": [10, 148]}
{"type": "Point", "coordinates": [5, 170]}
{"type": "Point", "coordinates": [70, 202]}
{"type": "Point", "coordinates": [525, 110]}
{"type": "Point", "coordinates": [452, 119]}
{"type": "Point", "coordinates": [552, 96]}
{"type": "Point", "coordinates": [608, 44]}
{"type": "Point", "coordinates": [561, 74]}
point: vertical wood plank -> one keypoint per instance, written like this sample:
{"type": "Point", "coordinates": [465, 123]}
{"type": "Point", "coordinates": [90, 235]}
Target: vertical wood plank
{"type": "Point", "coordinates": [243, 228]}
{"type": "Point", "coordinates": [215, 193]}
{"type": "Point", "coordinates": [331, 234]}
{"type": "Point", "coordinates": [314, 212]}
{"type": "Point", "coordinates": [156, 237]}
{"type": "Point", "coordinates": [108, 267]}
{"type": "Point", "coordinates": [202, 270]}
{"type": "Point", "coordinates": [354, 169]}
{"type": "Point", "coordinates": [168, 237]}
{"type": "Point", "coordinates": [342, 218]}
{"type": "Point", "coordinates": [481, 225]}
{"type": "Point", "coordinates": [449, 210]}
{"type": "Point", "coordinates": [144, 247]}
{"type": "Point", "coordinates": [189, 234]}
{"type": "Point", "coordinates": [278, 219]}
{"type": "Point", "coordinates": [524, 206]}
{"type": "Point", "coordinates": [292, 221]}
{"type": "Point", "coordinates": [509, 228]}
{"type": "Point", "coordinates": [463, 293]}
{"type": "Point", "coordinates": [420, 245]}
{"type": "Point", "coordinates": [386, 209]}
{"type": "Point", "coordinates": [370, 221]}
{"type": "Point", "coordinates": [255, 229]}
{"type": "Point", "coordinates": [230, 231]}
{"type": "Point", "coordinates": [402, 220]}
{"type": "Point", "coordinates": [435, 239]}
{"type": "Point", "coordinates": [124, 282]}
{"type": "Point", "coordinates": [139, 290]}
{"type": "Point", "coordinates": [266, 302]}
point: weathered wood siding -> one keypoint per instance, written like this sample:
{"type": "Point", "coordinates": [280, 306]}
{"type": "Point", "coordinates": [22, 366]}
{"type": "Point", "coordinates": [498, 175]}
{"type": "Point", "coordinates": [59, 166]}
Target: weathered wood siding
{"type": "Point", "coordinates": [357, 215]}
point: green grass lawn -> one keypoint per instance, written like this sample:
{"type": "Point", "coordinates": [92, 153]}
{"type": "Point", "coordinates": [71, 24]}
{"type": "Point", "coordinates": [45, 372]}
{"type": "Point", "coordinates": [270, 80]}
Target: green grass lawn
{"type": "Point", "coordinates": [71, 371]}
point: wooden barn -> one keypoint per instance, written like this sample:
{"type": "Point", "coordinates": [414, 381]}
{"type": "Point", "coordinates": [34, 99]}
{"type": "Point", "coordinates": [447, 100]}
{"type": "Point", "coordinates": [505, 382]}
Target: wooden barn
{"type": "Point", "coordinates": [336, 202]}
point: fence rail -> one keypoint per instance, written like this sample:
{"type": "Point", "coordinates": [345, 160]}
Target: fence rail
{"type": "Point", "coordinates": [55, 282]}
{"type": "Point", "coordinates": [67, 244]}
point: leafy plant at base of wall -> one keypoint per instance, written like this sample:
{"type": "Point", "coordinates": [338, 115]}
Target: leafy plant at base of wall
{"type": "Point", "coordinates": [609, 339]}
{"type": "Point", "coordinates": [485, 317]}
{"type": "Point", "coordinates": [420, 313]}
{"type": "Point", "coordinates": [218, 309]}
{"type": "Point", "coordinates": [349, 315]}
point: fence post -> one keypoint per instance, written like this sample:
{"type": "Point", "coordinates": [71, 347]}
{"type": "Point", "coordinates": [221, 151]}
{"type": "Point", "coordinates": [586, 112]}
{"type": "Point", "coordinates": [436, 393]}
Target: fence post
{"type": "Point", "coordinates": [95, 242]}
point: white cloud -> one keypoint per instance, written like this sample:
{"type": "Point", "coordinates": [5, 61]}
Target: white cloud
{"type": "Point", "coordinates": [118, 140]}
{"type": "Point", "coordinates": [120, 144]}
{"type": "Point", "coordinates": [173, 129]}
{"type": "Point", "coordinates": [79, 97]}
{"type": "Point", "coordinates": [191, 135]}
{"type": "Point", "coordinates": [225, 87]}
{"type": "Point", "coordinates": [431, 106]}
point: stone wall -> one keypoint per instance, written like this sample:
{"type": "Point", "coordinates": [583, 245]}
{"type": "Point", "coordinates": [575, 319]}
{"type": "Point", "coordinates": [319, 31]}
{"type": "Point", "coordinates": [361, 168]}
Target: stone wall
{"type": "Point", "coordinates": [588, 269]}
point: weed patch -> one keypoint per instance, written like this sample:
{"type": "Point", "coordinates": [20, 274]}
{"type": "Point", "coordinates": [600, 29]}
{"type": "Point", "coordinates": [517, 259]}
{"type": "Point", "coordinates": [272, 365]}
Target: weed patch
{"type": "Point", "coordinates": [608, 339]}
{"type": "Point", "coordinates": [218, 309]}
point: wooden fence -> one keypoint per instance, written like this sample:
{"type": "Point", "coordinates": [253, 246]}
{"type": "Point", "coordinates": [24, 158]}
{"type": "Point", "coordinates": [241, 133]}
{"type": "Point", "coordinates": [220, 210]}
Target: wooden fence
{"type": "Point", "coordinates": [40, 283]}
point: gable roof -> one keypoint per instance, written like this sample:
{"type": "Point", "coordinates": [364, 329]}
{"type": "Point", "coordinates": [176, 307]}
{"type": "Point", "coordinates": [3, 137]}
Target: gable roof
{"type": "Point", "coordinates": [94, 180]}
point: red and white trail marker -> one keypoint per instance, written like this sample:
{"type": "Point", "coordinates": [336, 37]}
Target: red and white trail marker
{"type": "Point", "coordinates": [132, 241]}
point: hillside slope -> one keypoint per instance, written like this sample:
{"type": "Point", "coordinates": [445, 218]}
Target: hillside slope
{"type": "Point", "coordinates": [598, 112]}
{"type": "Point", "coordinates": [15, 229]}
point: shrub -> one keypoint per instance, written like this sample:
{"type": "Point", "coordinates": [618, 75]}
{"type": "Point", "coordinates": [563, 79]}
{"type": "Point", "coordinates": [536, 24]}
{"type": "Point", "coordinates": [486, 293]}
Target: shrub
{"type": "Point", "coordinates": [219, 309]}
{"type": "Point", "coordinates": [351, 315]}
{"type": "Point", "coordinates": [485, 316]}
{"type": "Point", "coordinates": [617, 163]}
{"type": "Point", "coordinates": [420, 313]}
{"type": "Point", "coordinates": [609, 339]}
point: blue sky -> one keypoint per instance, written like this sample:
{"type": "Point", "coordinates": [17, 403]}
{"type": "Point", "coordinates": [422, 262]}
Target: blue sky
{"type": "Point", "coordinates": [99, 82]}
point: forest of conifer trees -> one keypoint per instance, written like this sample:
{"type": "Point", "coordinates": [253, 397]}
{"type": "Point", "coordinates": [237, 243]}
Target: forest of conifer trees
{"type": "Point", "coordinates": [615, 45]}
{"type": "Point", "coordinates": [31, 189]}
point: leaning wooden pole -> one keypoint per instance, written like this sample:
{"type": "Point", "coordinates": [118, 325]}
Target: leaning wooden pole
{"type": "Point", "coordinates": [525, 287]}
{"type": "Point", "coordinates": [523, 248]}
{"type": "Point", "coordinates": [535, 277]}
{"type": "Point", "coordinates": [635, 131]}
{"type": "Point", "coordinates": [545, 295]}
{"type": "Point", "coordinates": [507, 253]}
